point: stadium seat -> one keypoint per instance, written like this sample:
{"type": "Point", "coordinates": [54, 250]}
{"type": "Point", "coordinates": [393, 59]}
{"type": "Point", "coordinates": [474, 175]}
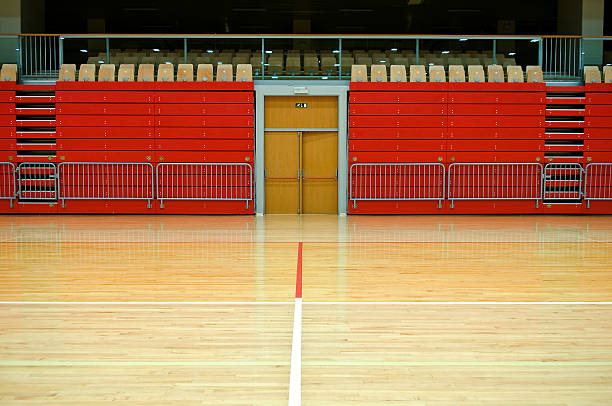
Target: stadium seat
{"type": "Point", "coordinates": [534, 74]}
{"type": "Point", "coordinates": [106, 73]}
{"type": "Point", "coordinates": [87, 72]}
{"type": "Point", "coordinates": [359, 73]}
{"type": "Point", "coordinates": [293, 64]}
{"type": "Point", "coordinates": [67, 72]}
{"type": "Point", "coordinates": [328, 65]}
{"type": "Point", "coordinates": [311, 65]}
{"type": "Point", "coordinates": [456, 73]}
{"type": "Point", "coordinates": [454, 61]}
{"type": "Point", "coordinates": [363, 60]}
{"type": "Point", "coordinates": [205, 72]}
{"type": "Point", "coordinates": [275, 65]}
{"type": "Point", "coordinates": [515, 74]}
{"type": "Point", "coordinates": [417, 73]}
{"type": "Point", "coordinates": [476, 73]}
{"type": "Point", "coordinates": [126, 72]}
{"type": "Point", "coordinates": [592, 74]}
{"type": "Point", "coordinates": [607, 72]}
{"type": "Point", "coordinates": [398, 73]}
{"type": "Point", "coordinates": [184, 72]}
{"type": "Point", "coordinates": [146, 72]}
{"type": "Point", "coordinates": [437, 74]}
{"type": "Point", "coordinates": [378, 73]}
{"type": "Point", "coordinates": [347, 63]}
{"type": "Point", "coordinates": [495, 73]}
{"type": "Point", "coordinates": [8, 73]}
{"type": "Point", "coordinates": [165, 72]}
{"type": "Point", "coordinates": [147, 60]}
{"type": "Point", "coordinates": [225, 73]}
{"type": "Point", "coordinates": [244, 72]}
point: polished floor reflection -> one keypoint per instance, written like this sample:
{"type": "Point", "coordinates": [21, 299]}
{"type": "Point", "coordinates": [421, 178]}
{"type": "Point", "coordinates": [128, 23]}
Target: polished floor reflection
{"type": "Point", "coordinates": [417, 310]}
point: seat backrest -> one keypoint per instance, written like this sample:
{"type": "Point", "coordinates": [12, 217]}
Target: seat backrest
{"type": "Point", "coordinates": [87, 72]}
{"type": "Point", "coordinates": [476, 73]}
{"type": "Point", "coordinates": [8, 73]}
{"type": "Point", "coordinates": [359, 73]}
{"type": "Point", "coordinates": [592, 74]}
{"type": "Point", "coordinates": [607, 72]}
{"type": "Point", "coordinates": [184, 72]}
{"type": "Point", "coordinates": [515, 74]}
{"type": "Point", "coordinates": [456, 73]}
{"type": "Point", "coordinates": [398, 73]}
{"type": "Point", "coordinates": [205, 72]}
{"type": "Point", "coordinates": [106, 73]}
{"type": "Point", "coordinates": [417, 73]}
{"type": "Point", "coordinates": [225, 73]}
{"type": "Point", "coordinates": [378, 73]}
{"type": "Point", "coordinates": [165, 72]}
{"type": "Point", "coordinates": [126, 72]}
{"type": "Point", "coordinates": [495, 73]}
{"type": "Point", "coordinates": [146, 72]}
{"type": "Point", "coordinates": [67, 72]}
{"type": "Point", "coordinates": [437, 74]}
{"type": "Point", "coordinates": [244, 72]}
{"type": "Point", "coordinates": [363, 60]}
{"type": "Point", "coordinates": [534, 74]}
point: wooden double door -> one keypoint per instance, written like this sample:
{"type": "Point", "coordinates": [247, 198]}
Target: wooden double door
{"type": "Point", "coordinates": [301, 155]}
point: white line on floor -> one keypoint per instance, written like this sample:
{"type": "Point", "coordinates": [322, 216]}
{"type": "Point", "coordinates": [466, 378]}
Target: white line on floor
{"type": "Point", "coordinates": [295, 377]}
{"type": "Point", "coordinates": [140, 303]}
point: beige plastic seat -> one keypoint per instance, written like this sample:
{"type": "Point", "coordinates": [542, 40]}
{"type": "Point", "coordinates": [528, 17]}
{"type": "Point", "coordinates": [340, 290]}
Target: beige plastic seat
{"type": "Point", "coordinates": [244, 72]}
{"type": "Point", "coordinates": [129, 60]}
{"type": "Point", "coordinates": [203, 59]}
{"type": "Point", "coordinates": [146, 72]}
{"type": "Point", "coordinates": [437, 74]}
{"type": "Point", "coordinates": [607, 72]}
{"type": "Point", "coordinates": [126, 72]}
{"type": "Point", "coordinates": [293, 64]}
{"type": "Point", "coordinates": [205, 72]}
{"type": "Point", "coordinates": [508, 62]}
{"type": "Point", "coordinates": [106, 73]}
{"type": "Point", "coordinates": [456, 73]}
{"type": "Point", "coordinates": [328, 65]}
{"type": "Point", "coordinates": [363, 60]}
{"type": "Point", "coordinates": [347, 65]}
{"type": "Point", "coordinates": [592, 74]}
{"type": "Point", "coordinates": [184, 72]}
{"type": "Point", "coordinates": [476, 74]}
{"type": "Point", "coordinates": [87, 72]}
{"type": "Point", "coordinates": [515, 74]}
{"type": "Point", "coordinates": [398, 73]}
{"type": "Point", "coordinates": [359, 73]}
{"type": "Point", "coordinates": [225, 73]}
{"type": "Point", "coordinates": [378, 73]}
{"type": "Point", "coordinates": [454, 61]}
{"type": "Point", "coordinates": [275, 65]}
{"type": "Point", "coordinates": [534, 74]}
{"type": "Point", "coordinates": [495, 73]}
{"type": "Point", "coordinates": [165, 72]}
{"type": "Point", "coordinates": [311, 65]}
{"type": "Point", "coordinates": [67, 72]}
{"type": "Point", "coordinates": [8, 73]}
{"type": "Point", "coordinates": [417, 73]}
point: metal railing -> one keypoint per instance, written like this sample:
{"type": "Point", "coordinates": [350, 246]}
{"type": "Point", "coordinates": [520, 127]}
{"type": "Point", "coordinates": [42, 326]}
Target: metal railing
{"type": "Point", "coordinates": [204, 181]}
{"type": "Point", "coordinates": [562, 58]}
{"type": "Point", "coordinates": [598, 182]}
{"type": "Point", "coordinates": [562, 181]}
{"type": "Point", "coordinates": [8, 185]}
{"type": "Point", "coordinates": [105, 180]}
{"type": "Point", "coordinates": [403, 181]}
{"type": "Point", "coordinates": [495, 181]}
{"type": "Point", "coordinates": [40, 56]}
{"type": "Point", "coordinates": [37, 181]}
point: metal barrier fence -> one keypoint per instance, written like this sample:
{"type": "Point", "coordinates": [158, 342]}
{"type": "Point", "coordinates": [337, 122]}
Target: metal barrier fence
{"type": "Point", "coordinates": [105, 180]}
{"type": "Point", "coordinates": [404, 181]}
{"type": "Point", "coordinates": [562, 58]}
{"type": "Point", "coordinates": [562, 181]}
{"type": "Point", "coordinates": [598, 182]}
{"type": "Point", "coordinates": [40, 56]}
{"type": "Point", "coordinates": [204, 181]}
{"type": "Point", "coordinates": [8, 186]}
{"type": "Point", "coordinates": [37, 181]}
{"type": "Point", "coordinates": [494, 181]}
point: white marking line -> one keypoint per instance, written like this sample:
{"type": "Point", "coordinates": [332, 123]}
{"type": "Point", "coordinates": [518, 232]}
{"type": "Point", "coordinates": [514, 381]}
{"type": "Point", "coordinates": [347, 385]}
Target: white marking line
{"type": "Point", "coordinates": [464, 303]}
{"type": "Point", "coordinates": [295, 377]}
{"type": "Point", "coordinates": [142, 303]}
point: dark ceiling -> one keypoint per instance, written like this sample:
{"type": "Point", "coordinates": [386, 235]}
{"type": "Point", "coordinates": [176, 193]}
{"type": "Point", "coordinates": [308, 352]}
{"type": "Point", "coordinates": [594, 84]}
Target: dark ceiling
{"type": "Point", "coordinates": [310, 16]}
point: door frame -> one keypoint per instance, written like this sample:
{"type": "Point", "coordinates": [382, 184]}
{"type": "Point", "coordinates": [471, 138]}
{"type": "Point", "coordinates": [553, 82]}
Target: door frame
{"type": "Point", "coordinates": [337, 88]}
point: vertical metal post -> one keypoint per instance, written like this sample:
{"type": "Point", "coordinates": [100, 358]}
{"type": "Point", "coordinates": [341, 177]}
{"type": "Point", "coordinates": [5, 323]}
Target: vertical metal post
{"type": "Point", "coordinates": [263, 57]}
{"type": "Point", "coordinates": [540, 52]}
{"type": "Point", "coordinates": [185, 49]}
{"type": "Point", "coordinates": [417, 51]}
{"type": "Point", "coordinates": [340, 58]}
{"type": "Point", "coordinates": [107, 50]}
{"type": "Point", "coordinates": [20, 56]}
{"type": "Point", "coordinates": [494, 51]}
{"type": "Point", "coordinates": [581, 42]}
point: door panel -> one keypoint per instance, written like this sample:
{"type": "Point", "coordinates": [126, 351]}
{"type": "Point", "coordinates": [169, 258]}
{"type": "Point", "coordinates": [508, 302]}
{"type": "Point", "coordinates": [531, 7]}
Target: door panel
{"type": "Point", "coordinates": [320, 196]}
{"type": "Point", "coordinates": [282, 196]}
{"type": "Point", "coordinates": [320, 112]}
{"type": "Point", "coordinates": [281, 166]}
{"type": "Point", "coordinates": [319, 165]}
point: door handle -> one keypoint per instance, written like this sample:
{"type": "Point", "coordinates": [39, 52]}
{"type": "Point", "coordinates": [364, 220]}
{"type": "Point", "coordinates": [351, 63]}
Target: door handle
{"type": "Point", "coordinates": [265, 173]}
{"type": "Point", "coordinates": [336, 173]}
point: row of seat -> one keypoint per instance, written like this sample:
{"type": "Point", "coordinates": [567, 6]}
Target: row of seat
{"type": "Point", "coordinates": [146, 73]}
{"type": "Point", "coordinates": [456, 73]}
{"type": "Point", "coordinates": [592, 74]}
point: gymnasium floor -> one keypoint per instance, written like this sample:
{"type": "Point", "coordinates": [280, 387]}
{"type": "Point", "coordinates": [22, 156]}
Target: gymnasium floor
{"type": "Point", "coordinates": [198, 310]}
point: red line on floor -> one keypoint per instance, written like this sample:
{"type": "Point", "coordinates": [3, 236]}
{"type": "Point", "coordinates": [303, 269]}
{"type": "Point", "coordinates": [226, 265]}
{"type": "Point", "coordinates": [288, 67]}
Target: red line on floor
{"type": "Point", "coordinates": [298, 277]}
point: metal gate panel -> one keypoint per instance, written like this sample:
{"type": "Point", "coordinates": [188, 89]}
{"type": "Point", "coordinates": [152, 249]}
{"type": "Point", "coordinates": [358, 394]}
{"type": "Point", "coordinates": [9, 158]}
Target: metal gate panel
{"type": "Point", "coordinates": [37, 181]}
{"type": "Point", "coordinates": [598, 182]}
{"type": "Point", "coordinates": [8, 185]}
{"type": "Point", "coordinates": [563, 181]}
